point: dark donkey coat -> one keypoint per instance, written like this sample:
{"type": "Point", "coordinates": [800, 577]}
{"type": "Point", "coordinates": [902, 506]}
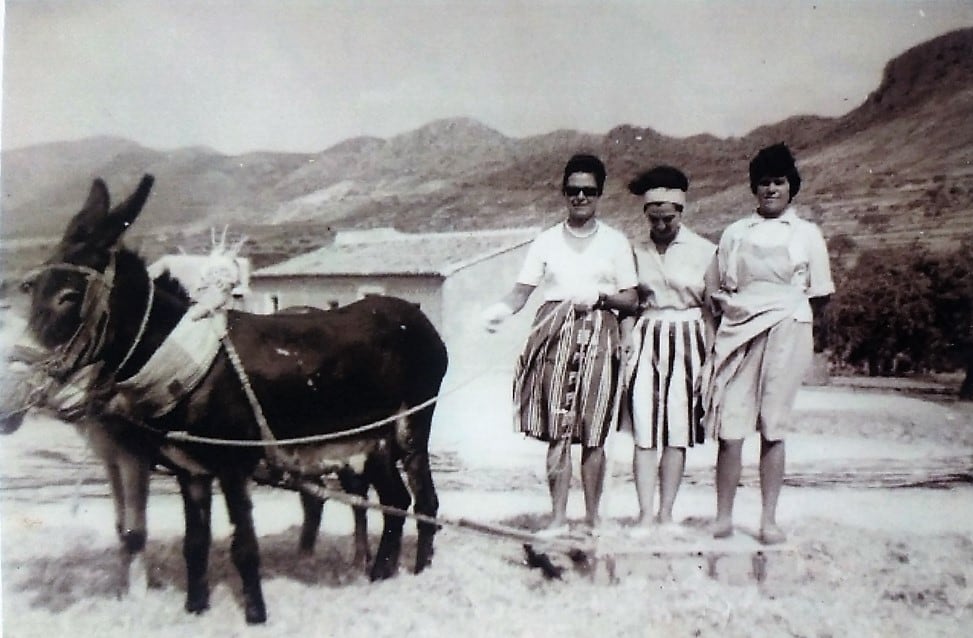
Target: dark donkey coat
{"type": "Point", "coordinates": [321, 372]}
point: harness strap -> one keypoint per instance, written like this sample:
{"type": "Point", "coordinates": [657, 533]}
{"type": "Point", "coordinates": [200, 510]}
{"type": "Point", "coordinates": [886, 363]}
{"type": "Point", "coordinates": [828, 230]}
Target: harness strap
{"type": "Point", "coordinates": [144, 323]}
{"type": "Point", "coordinates": [88, 339]}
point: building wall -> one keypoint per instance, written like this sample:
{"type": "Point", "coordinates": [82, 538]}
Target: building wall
{"type": "Point", "coordinates": [454, 305]}
{"type": "Point", "coordinates": [466, 294]}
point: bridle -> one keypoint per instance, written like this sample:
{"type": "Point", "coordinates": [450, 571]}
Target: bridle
{"type": "Point", "coordinates": [88, 340]}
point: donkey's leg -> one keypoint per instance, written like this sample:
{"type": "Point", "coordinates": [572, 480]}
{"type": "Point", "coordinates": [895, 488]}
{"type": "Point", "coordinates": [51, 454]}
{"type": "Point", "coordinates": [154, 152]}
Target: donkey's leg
{"type": "Point", "coordinates": [118, 500]}
{"type": "Point", "coordinates": [197, 497]}
{"type": "Point", "coordinates": [312, 506]}
{"type": "Point", "coordinates": [117, 496]}
{"type": "Point", "coordinates": [128, 477]}
{"type": "Point", "coordinates": [244, 549]}
{"type": "Point", "coordinates": [384, 475]}
{"type": "Point", "coordinates": [417, 469]}
{"type": "Point", "coordinates": [357, 484]}
{"type": "Point", "coordinates": [134, 473]}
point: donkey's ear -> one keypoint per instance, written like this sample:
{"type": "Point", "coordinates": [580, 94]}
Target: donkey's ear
{"type": "Point", "coordinates": [91, 215]}
{"type": "Point", "coordinates": [123, 215]}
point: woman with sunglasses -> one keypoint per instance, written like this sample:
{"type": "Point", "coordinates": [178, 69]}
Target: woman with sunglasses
{"type": "Point", "coordinates": [566, 379]}
{"type": "Point", "coordinates": [772, 275]}
{"type": "Point", "coordinates": [667, 345]}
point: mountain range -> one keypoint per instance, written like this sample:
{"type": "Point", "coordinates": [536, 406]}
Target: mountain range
{"type": "Point", "coordinates": [896, 170]}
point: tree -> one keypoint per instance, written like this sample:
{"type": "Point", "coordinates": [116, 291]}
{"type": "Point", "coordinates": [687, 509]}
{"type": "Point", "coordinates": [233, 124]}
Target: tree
{"type": "Point", "coordinates": [880, 314]}
{"type": "Point", "coordinates": [951, 295]}
{"type": "Point", "coordinates": [900, 311]}
{"type": "Point", "coordinates": [841, 246]}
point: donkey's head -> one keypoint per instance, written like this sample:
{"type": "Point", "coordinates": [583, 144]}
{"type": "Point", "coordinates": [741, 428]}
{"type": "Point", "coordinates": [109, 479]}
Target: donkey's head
{"type": "Point", "coordinates": [69, 303]}
{"type": "Point", "coordinates": [78, 276]}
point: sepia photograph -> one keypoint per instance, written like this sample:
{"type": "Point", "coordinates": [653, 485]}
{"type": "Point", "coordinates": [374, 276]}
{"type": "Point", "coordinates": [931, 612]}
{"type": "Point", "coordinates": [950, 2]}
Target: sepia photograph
{"type": "Point", "coordinates": [486, 318]}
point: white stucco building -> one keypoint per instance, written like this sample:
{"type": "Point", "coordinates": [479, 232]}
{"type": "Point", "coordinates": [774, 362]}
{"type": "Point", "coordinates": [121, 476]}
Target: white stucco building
{"type": "Point", "coordinates": [452, 276]}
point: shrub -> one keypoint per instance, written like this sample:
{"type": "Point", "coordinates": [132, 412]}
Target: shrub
{"type": "Point", "coordinates": [898, 311]}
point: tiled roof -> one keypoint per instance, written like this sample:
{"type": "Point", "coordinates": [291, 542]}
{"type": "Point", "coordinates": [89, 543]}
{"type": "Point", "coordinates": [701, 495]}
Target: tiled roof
{"type": "Point", "coordinates": [386, 251]}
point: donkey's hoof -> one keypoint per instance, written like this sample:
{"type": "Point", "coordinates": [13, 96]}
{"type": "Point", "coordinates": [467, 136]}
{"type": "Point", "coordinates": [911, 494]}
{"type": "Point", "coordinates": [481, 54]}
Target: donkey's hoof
{"type": "Point", "coordinates": [256, 614]}
{"type": "Point", "coordinates": [424, 556]}
{"type": "Point", "coordinates": [382, 570]}
{"type": "Point", "coordinates": [197, 603]}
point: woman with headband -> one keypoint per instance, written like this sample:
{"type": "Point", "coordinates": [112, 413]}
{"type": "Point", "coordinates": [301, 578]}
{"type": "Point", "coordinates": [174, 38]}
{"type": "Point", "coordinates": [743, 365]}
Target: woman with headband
{"type": "Point", "coordinates": [772, 275]}
{"type": "Point", "coordinates": [669, 341]}
{"type": "Point", "coordinates": [566, 379]}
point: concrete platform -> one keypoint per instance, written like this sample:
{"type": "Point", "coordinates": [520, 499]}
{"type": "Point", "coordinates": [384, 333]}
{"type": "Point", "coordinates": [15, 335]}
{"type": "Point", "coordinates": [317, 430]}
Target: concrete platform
{"type": "Point", "coordinates": [674, 554]}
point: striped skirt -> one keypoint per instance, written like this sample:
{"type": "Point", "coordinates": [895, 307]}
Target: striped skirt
{"type": "Point", "coordinates": [664, 386]}
{"type": "Point", "coordinates": [566, 379]}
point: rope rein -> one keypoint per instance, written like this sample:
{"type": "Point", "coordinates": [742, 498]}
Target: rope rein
{"type": "Point", "coordinates": [144, 323]}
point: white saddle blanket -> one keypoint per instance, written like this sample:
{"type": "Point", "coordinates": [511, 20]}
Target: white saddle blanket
{"type": "Point", "coordinates": [177, 366]}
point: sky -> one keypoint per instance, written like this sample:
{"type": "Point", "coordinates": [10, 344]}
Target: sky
{"type": "Point", "coordinates": [300, 76]}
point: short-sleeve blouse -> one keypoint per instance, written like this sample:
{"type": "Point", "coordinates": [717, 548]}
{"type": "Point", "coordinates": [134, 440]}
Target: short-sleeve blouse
{"type": "Point", "coordinates": [604, 263]}
{"type": "Point", "coordinates": [782, 250]}
{"type": "Point", "coordinates": [676, 280]}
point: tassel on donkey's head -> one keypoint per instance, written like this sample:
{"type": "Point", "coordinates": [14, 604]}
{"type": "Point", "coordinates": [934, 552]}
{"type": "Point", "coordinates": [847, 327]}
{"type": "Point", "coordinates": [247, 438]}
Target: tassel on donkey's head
{"type": "Point", "coordinates": [219, 275]}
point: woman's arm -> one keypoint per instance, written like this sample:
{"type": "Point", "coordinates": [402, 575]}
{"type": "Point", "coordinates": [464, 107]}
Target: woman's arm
{"type": "Point", "coordinates": [510, 304]}
{"type": "Point", "coordinates": [517, 297]}
{"type": "Point", "coordinates": [712, 311]}
{"type": "Point", "coordinates": [626, 302]}
{"type": "Point", "coordinates": [820, 322]}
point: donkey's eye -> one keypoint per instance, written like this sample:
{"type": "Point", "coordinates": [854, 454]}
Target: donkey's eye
{"type": "Point", "coordinates": [27, 286]}
{"type": "Point", "coordinates": [68, 297]}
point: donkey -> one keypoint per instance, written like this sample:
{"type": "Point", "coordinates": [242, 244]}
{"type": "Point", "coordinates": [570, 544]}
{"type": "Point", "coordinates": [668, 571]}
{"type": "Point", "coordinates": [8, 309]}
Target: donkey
{"type": "Point", "coordinates": [128, 475]}
{"type": "Point", "coordinates": [320, 376]}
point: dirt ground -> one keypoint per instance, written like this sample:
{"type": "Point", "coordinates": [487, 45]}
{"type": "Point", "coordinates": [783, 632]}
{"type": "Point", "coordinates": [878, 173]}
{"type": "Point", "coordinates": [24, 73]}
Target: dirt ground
{"type": "Point", "coordinates": [877, 507]}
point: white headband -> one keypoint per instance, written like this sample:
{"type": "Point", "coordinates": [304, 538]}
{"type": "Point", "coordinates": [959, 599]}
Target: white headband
{"type": "Point", "coordinates": [671, 195]}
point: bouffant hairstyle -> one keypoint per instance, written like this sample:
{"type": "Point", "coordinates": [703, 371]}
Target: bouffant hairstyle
{"type": "Point", "coordinates": [584, 163]}
{"type": "Point", "coordinates": [775, 161]}
{"type": "Point", "coordinates": [659, 177]}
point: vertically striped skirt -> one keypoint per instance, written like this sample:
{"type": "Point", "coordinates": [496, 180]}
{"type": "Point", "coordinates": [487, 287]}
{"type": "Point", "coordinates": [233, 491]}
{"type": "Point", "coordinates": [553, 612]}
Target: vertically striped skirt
{"type": "Point", "coordinates": [566, 379]}
{"type": "Point", "coordinates": [664, 387]}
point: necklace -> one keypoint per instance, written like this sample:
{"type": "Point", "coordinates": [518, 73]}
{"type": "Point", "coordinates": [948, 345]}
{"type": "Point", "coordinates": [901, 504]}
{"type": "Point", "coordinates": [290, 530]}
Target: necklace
{"type": "Point", "coordinates": [581, 235]}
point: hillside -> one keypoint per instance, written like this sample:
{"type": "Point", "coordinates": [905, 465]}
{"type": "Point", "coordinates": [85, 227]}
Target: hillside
{"type": "Point", "coordinates": [895, 170]}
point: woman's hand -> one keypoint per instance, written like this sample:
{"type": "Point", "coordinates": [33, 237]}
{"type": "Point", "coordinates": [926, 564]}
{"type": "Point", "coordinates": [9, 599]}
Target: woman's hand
{"type": "Point", "coordinates": [585, 300]}
{"type": "Point", "coordinates": [495, 315]}
{"type": "Point", "coordinates": [627, 344]}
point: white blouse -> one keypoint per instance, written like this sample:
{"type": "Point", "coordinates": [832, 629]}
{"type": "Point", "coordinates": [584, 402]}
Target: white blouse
{"type": "Point", "coordinates": [566, 266]}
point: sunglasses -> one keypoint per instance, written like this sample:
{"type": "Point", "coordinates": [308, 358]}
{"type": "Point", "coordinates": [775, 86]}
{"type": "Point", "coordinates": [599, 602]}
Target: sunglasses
{"type": "Point", "coordinates": [574, 191]}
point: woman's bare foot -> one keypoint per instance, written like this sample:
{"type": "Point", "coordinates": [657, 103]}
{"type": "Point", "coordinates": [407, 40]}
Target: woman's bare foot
{"type": "Point", "coordinates": [643, 528]}
{"type": "Point", "coordinates": [722, 529]}
{"type": "Point", "coordinates": [772, 535]}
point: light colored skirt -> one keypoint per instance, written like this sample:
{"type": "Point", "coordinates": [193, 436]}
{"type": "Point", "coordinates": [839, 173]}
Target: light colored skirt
{"type": "Point", "coordinates": [664, 387]}
{"type": "Point", "coordinates": [566, 379]}
{"type": "Point", "coordinates": [760, 383]}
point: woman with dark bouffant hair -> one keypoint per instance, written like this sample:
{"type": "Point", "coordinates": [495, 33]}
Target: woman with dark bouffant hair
{"type": "Point", "coordinates": [771, 276]}
{"type": "Point", "coordinates": [567, 377]}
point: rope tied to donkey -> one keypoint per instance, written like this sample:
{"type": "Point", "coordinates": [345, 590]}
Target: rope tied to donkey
{"type": "Point", "coordinates": [270, 442]}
